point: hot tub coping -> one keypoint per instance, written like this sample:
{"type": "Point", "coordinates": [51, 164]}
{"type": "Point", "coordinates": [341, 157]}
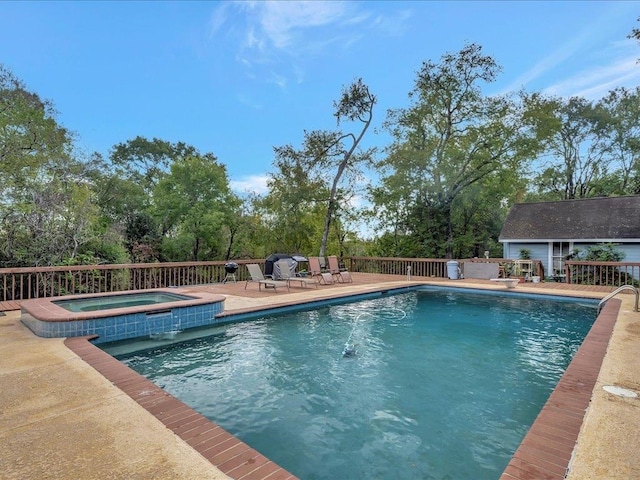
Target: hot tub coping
{"type": "Point", "coordinates": [45, 310]}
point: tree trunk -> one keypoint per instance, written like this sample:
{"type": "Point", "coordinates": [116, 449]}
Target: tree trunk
{"type": "Point", "coordinates": [325, 230]}
{"type": "Point", "coordinates": [232, 235]}
{"type": "Point", "coordinates": [332, 200]}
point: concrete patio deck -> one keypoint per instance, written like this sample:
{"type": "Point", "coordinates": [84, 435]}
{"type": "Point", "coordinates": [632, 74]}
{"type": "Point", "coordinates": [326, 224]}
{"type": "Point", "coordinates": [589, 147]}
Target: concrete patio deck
{"type": "Point", "coordinates": [60, 418]}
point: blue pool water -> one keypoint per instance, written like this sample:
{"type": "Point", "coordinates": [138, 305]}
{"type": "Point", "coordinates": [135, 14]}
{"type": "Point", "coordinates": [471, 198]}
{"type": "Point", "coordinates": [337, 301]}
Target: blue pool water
{"type": "Point", "coordinates": [444, 385]}
{"type": "Point", "coordinates": [122, 300]}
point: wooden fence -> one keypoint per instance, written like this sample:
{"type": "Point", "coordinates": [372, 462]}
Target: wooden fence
{"type": "Point", "coordinates": [39, 282]}
{"type": "Point", "coordinates": [25, 283]}
{"type": "Point", "coordinates": [420, 267]}
{"type": "Point", "coordinates": [602, 273]}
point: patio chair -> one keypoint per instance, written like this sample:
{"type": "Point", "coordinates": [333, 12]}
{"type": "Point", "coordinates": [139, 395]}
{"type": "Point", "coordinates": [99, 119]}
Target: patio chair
{"type": "Point", "coordinates": [257, 276]}
{"type": "Point", "coordinates": [285, 273]}
{"type": "Point", "coordinates": [339, 274]}
{"type": "Point", "coordinates": [324, 278]}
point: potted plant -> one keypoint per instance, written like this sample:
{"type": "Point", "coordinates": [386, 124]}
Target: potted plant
{"type": "Point", "coordinates": [525, 254]}
{"type": "Point", "coordinates": [517, 273]}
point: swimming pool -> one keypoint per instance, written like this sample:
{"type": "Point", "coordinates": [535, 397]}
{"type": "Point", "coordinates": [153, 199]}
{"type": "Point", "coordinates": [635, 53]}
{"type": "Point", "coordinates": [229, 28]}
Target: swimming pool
{"type": "Point", "coordinates": [444, 384]}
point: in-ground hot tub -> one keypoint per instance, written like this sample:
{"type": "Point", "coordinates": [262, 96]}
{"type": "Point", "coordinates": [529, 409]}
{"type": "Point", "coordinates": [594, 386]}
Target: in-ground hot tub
{"type": "Point", "coordinates": [121, 315]}
{"type": "Point", "coordinates": [109, 302]}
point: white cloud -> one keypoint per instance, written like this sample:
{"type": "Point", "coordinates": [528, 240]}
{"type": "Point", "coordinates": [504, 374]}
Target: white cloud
{"type": "Point", "coordinates": [277, 79]}
{"type": "Point", "coordinates": [249, 101]}
{"type": "Point", "coordinates": [601, 64]}
{"type": "Point", "coordinates": [277, 32]}
{"type": "Point", "coordinates": [595, 82]}
{"type": "Point", "coordinates": [282, 22]}
{"type": "Point", "coordinates": [393, 25]}
{"type": "Point", "coordinates": [251, 184]}
{"type": "Point", "coordinates": [218, 18]}
{"type": "Point", "coordinates": [552, 60]}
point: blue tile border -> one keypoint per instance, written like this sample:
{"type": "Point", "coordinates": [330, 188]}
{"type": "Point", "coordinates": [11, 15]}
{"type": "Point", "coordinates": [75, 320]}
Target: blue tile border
{"type": "Point", "coordinates": [128, 326]}
{"type": "Point", "coordinates": [47, 320]}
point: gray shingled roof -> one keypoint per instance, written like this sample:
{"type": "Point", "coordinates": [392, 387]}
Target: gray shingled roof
{"type": "Point", "coordinates": [605, 218]}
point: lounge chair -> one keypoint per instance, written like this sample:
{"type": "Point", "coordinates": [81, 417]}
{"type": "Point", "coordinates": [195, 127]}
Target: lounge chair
{"type": "Point", "coordinates": [257, 276]}
{"type": "Point", "coordinates": [285, 274]}
{"type": "Point", "coordinates": [315, 270]}
{"type": "Point", "coordinates": [340, 275]}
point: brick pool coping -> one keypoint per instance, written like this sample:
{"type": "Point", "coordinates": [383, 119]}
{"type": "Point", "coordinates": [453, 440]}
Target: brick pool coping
{"type": "Point", "coordinates": [223, 450]}
{"type": "Point", "coordinates": [544, 453]}
{"type": "Point", "coordinates": [46, 310]}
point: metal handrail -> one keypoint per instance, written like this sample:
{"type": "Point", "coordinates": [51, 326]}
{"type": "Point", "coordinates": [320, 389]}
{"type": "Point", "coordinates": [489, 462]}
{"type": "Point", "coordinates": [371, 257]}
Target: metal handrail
{"type": "Point", "coordinates": [618, 290]}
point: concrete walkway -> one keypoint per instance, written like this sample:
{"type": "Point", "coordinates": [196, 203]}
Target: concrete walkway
{"type": "Point", "coordinates": [60, 419]}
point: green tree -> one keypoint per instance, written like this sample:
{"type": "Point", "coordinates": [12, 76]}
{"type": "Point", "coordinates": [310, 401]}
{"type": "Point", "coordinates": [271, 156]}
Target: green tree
{"type": "Point", "coordinates": [48, 212]}
{"type": "Point", "coordinates": [125, 188]}
{"type": "Point", "coordinates": [479, 214]}
{"type": "Point", "coordinates": [50, 216]}
{"type": "Point", "coordinates": [621, 132]}
{"type": "Point", "coordinates": [250, 234]}
{"type": "Point", "coordinates": [29, 132]}
{"type": "Point", "coordinates": [574, 159]}
{"type": "Point", "coordinates": [146, 161]}
{"type": "Point", "coordinates": [290, 214]}
{"type": "Point", "coordinates": [196, 208]}
{"type": "Point", "coordinates": [126, 206]}
{"type": "Point", "coordinates": [450, 138]}
{"type": "Point", "coordinates": [328, 166]}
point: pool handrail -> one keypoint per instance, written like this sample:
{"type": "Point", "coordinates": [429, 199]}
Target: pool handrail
{"type": "Point", "coordinates": [618, 290]}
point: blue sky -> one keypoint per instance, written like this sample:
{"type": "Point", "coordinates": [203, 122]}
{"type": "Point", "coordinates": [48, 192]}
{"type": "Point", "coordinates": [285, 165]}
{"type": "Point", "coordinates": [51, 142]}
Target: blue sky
{"type": "Point", "coordinates": [238, 78]}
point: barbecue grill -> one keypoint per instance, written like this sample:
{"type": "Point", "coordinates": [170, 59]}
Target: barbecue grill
{"type": "Point", "coordinates": [231, 268]}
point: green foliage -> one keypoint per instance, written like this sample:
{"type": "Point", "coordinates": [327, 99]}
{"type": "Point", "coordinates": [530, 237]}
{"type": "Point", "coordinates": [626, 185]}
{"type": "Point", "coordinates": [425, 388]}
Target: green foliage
{"type": "Point", "coordinates": [590, 148]}
{"type": "Point", "coordinates": [525, 254]}
{"type": "Point", "coordinates": [620, 132]}
{"type": "Point", "coordinates": [458, 160]}
{"type": "Point", "coordinates": [29, 133]}
{"type": "Point", "coordinates": [194, 204]}
{"type": "Point", "coordinates": [119, 198]}
{"type": "Point", "coordinates": [99, 252]}
{"type": "Point", "coordinates": [142, 237]}
{"type": "Point", "coordinates": [450, 139]}
{"type": "Point", "coordinates": [248, 235]}
{"type": "Point", "coordinates": [476, 216]}
{"type": "Point", "coordinates": [324, 171]}
{"type": "Point", "coordinates": [49, 215]}
{"type": "Point", "coordinates": [145, 161]}
{"type": "Point", "coordinates": [599, 274]}
{"type": "Point", "coordinates": [603, 252]}
{"type": "Point", "coordinates": [48, 209]}
{"type": "Point", "coordinates": [290, 226]}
